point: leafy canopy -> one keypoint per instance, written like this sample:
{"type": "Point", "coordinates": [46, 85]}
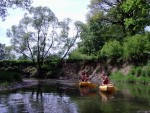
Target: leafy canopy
{"type": "Point", "coordinates": [5, 4]}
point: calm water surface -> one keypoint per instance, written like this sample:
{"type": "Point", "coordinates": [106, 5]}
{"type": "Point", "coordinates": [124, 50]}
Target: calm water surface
{"type": "Point", "coordinates": [46, 98]}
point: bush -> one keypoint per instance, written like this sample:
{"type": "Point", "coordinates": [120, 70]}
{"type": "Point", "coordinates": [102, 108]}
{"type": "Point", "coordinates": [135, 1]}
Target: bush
{"type": "Point", "coordinates": [9, 76]}
{"type": "Point", "coordinates": [130, 78]}
{"type": "Point", "coordinates": [17, 63]}
{"type": "Point", "coordinates": [118, 76]}
{"type": "Point", "coordinates": [76, 54]}
{"type": "Point", "coordinates": [112, 49]}
{"type": "Point", "coordinates": [143, 80]}
{"type": "Point", "coordinates": [147, 71]}
{"type": "Point", "coordinates": [136, 71]}
{"type": "Point", "coordinates": [136, 48]}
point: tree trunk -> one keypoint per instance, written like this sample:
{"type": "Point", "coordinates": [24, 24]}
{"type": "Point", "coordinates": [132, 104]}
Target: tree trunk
{"type": "Point", "coordinates": [39, 71]}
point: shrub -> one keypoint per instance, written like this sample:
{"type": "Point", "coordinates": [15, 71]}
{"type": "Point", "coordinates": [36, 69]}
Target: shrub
{"type": "Point", "coordinates": [130, 78]}
{"type": "Point", "coordinates": [118, 76]}
{"type": "Point", "coordinates": [10, 76]}
{"type": "Point", "coordinates": [137, 71]}
{"type": "Point", "coordinates": [143, 80]}
{"type": "Point", "coordinates": [147, 71]}
{"type": "Point", "coordinates": [112, 49]}
{"type": "Point", "coordinates": [76, 54]}
{"type": "Point", "coordinates": [136, 48]}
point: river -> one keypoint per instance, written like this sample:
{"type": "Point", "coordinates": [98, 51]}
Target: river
{"type": "Point", "coordinates": [61, 98]}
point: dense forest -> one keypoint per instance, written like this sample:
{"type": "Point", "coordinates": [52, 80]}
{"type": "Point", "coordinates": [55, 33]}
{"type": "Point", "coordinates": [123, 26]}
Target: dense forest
{"type": "Point", "coordinates": [116, 31]}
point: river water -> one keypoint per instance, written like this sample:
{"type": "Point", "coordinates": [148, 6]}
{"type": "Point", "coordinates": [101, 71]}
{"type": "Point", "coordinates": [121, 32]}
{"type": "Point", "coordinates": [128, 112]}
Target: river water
{"type": "Point", "coordinates": [58, 98]}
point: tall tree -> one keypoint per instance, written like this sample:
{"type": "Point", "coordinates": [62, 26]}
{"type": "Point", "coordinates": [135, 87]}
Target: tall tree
{"type": "Point", "coordinates": [2, 51]}
{"type": "Point", "coordinates": [39, 34]}
{"type": "Point", "coordinates": [5, 4]}
{"type": "Point", "coordinates": [92, 35]}
{"type": "Point", "coordinates": [9, 53]}
{"type": "Point", "coordinates": [137, 15]}
{"type": "Point", "coordinates": [95, 33]}
{"type": "Point", "coordinates": [131, 15]}
{"type": "Point", "coordinates": [113, 19]}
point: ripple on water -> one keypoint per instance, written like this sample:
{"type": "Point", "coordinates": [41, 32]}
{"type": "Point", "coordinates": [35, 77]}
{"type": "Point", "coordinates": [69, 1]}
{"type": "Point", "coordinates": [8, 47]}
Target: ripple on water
{"type": "Point", "coordinates": [3, 108]}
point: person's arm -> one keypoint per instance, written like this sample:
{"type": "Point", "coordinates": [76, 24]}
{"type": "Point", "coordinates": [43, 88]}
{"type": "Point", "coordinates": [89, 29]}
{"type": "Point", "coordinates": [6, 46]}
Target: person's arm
{"type": "Point", "coordinates": [102, 82]}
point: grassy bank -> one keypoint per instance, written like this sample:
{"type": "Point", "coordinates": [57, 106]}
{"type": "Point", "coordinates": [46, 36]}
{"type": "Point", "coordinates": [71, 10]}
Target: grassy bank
{"type": "Point", "coordinates": [140, 74]}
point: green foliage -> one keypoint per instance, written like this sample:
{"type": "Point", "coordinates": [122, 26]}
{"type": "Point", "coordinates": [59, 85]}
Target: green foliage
{"type": "Point", "coordinates": [131, 15]}
{"type": "Point", "coordinates": [112, 50]}
{"type": "Point", "coordinates": [77, 54]}
{"type": "Point", "coordinates": [9, 55]}
{"type": "Point", "coordinates": [23, 57]}
{"type": "Point", "coordinates": [130, 78]}
{"type": "Point", "coordinates": [86, 37]}
{"type": "Point", "coordinates": [2, 51]}
{"type": "Point", "coordinates": [93, 35]}
{"type": "Point", "coordinates": [139, 9]}
{"type": "Point", "coordinates": [5, 5]}
{"type": "Point", "coordinates": [136, 71]}
{"type": "Point", "coordinates": [54, 57]}
{"type": "Point", "coordinates": [147, 71]}
{"type": "Point", "coordinates": [140, 74]}
{"type": "Point", "coordinates": [50, 67]}
{"type": "Point", "coordinates": [143, 74]}
{"type": "Point", "coordinates": [140, 71]}
{"type": "Point", "coordinates": [39, 35]}
{"type": "Point", "coordinates": [136, 47]}
{"type": "Point", "coordinates": [125, 18]}
{"type": "Point", "coordinates": [148, 63]}
{"type": "Point", "coordinates": [13, 63]}
{"type": "Point", "coordinates": [117, 76]}
{"type": "Point", "coordinates": [10, 76]}
{"type": "Point", "coordinates": [143, 80]}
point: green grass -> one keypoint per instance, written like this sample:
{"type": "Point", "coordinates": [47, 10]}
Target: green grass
{"type": "Point", "coordinates": [135, 76]}
{"type": "Point", "coordinates": [117, 76]}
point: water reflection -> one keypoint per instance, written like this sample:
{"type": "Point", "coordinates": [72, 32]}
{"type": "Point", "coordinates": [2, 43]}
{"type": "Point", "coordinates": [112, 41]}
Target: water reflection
{"type": "Point", "coordinates": [106, 96]}
{"type": "Point", "coordinates": [34, 100]}
{"type": "Point", "coordinates": [87, 91]}
{"type": "Point", "coordinates": [38, 92]}
{"type": "Point", "coordinates": [59, 99]}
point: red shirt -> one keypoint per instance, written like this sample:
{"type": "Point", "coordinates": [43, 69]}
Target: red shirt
{"type": "Point", "coordinates": [84, 78]}
{"type": "Point", "coordinates": [106, 81]}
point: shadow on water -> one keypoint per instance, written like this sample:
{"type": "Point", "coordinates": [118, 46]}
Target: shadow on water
{"type": "Point", "coordinates": [42, 98]}
{"type": "Point", "coordinates": [67, 97]}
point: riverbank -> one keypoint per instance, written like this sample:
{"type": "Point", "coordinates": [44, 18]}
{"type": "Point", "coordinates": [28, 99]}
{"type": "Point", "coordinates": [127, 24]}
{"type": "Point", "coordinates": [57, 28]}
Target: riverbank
{"type": "Point", "coordinates": [18, 85]}
{"type": "Point", "coordinates": [34, 82]}
{"type": "Point", "coordinates": [70, 72]}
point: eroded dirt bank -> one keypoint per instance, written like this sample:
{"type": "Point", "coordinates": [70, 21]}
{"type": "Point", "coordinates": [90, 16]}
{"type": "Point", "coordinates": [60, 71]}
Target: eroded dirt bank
{"type": "Point", "coordinates": [73, 69]}
{"type": "Point", "coordinates": [71, 72]}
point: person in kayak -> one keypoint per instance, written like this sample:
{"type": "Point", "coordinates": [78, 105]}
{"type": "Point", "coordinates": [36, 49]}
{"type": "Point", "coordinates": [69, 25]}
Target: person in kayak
{"type": "Point", "coordinates": [84, 77]}
{"type": "Point", "coordinates": [105, 79]}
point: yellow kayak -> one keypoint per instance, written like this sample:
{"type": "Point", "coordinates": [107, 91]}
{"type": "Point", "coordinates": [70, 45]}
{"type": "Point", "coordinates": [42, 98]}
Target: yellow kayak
{"type": "Point", "coordinates": [86, 84]}
{"type": "Point", "coordinates": [109, 88]}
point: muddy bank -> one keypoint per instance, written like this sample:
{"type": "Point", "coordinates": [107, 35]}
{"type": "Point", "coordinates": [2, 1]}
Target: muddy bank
{"type": "Point", "coordinates": [18, 85]}
{"type": "Point", "coordinates": [35, 82]}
